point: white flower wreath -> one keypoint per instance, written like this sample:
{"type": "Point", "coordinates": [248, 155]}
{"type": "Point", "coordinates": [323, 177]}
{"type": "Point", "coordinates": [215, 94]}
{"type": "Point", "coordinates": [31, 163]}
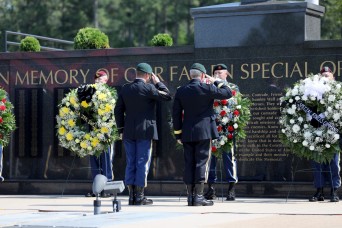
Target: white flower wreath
{"type": "Point", "coordinates": [87, 128]}
{"type": "Point", "coordinates": [311, 118]}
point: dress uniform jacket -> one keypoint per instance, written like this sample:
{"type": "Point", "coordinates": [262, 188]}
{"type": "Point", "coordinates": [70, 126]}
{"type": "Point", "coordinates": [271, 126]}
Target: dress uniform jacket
{"type": "Point", "coordinates": [196, 99]}
{"type": "Point", "coordinates": [135, 109]}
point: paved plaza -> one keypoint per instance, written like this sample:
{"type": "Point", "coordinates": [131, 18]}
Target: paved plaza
{"type": "Point", "coordinates": [77, 211]}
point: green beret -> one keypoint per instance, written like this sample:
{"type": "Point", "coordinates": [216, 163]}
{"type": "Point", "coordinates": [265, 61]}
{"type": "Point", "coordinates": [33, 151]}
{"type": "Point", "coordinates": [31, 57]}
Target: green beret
{"type": "Point", "coordinates": [198, 66]}
{"type": "Point", "coordinates": [144, 67]}
{"type": "Point", "coordinates": [220, 66]}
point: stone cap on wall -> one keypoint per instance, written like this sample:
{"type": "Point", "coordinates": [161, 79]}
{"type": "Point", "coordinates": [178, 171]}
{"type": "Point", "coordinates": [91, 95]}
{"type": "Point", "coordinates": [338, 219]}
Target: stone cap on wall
{"type": "Point", "coordinates": [264, 23]}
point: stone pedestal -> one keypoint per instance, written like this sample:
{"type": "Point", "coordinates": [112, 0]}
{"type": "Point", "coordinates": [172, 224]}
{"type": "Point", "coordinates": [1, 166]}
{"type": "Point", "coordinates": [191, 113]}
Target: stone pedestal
{"type": "Point", "coordinates": [264, 23]}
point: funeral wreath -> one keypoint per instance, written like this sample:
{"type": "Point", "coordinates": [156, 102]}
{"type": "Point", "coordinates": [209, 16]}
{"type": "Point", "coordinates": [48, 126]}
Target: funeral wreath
{"type": "Point", "coordinates": [86, 123]}
{"type": "Point", "coordinates": [7, 119]}
{"type": "Point", "coordinates": [310, 119]}
{"type": "Point", "coordinates": [232, 116]}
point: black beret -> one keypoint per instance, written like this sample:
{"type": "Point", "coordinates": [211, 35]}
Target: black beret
{"type": "Point", "coordinates": [220, 66]}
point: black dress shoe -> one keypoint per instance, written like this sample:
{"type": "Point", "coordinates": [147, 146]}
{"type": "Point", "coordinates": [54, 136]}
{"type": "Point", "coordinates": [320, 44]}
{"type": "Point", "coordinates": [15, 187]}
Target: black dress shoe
{"type": "Point", "coordinates": [317, 197]}
{"type": "Point", "coordinates": [334, 197]}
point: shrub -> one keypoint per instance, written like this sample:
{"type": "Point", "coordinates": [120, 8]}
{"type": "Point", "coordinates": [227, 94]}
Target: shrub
{"type": "Point", "coordinates": [90, 38]}
{"type": "Point", "coordinates": [162, 39]}
{"type": "Point", "coordinates": [29, 43]}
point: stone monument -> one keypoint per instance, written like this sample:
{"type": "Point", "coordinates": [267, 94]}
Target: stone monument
{"type": "Point", "coordinates": [256, 22]}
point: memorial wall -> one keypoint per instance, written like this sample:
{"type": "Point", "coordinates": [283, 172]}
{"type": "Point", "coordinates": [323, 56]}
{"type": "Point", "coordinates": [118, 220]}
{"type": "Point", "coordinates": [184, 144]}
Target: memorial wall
{"type": "Point", "coordinates": [36, 82]}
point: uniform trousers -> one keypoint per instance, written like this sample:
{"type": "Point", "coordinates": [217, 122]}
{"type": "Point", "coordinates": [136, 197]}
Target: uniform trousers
{"type": "Point", "coordinates": [196, 158]}
{"type": "Point", "coordinates": [229, 166]}
{"type": "Point", "coordinates": [327, 172]}
{"type": "Point", "coordinates": [103, 164]}
{"type": "Point", "coordinates": [138, 160]}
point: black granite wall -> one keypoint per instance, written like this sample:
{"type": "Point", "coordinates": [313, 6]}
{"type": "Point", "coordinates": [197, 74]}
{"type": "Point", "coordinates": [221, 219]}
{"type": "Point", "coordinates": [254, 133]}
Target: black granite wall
{"type": "Point", "coordinates": [36, 83]}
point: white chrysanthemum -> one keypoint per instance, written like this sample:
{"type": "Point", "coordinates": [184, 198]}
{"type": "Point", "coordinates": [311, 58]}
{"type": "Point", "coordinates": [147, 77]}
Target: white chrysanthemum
{"type": "Point", "coordinates": [225, 120]}
{"type": "Point", "coordinates": [336, 116]}
{"type": "Point", "coordinates": [336, 136]}
{"type": "Point", "coordinates": [294, 92]}
{"type": "Point", "coordinates": [307, 134]}
{"type": "Point", "coordinates": [291, 100]}
{"type": "Point", "coordinates": [295, 128]}
{"type": "Point", "coordinates": [318, 133]}
{"type": "Point", "coordinates": [297, 98]}
{"type": "Point", "coordinates": [331, 98]}
{"type": "Point", "coordinates": [305, 143]}
{"type": "Point", "coordinates": [290, 111]}
{"type": "Point", "coordinates": [292, 121]}
{"type": "Point", "coordinates": [327, 145]}
{"type": "Point", "coordinates": [300, 119]}
{"type": "Point", "coordinates": [312, 148]}
{"type": "Point", "coordinates": [235, 126]}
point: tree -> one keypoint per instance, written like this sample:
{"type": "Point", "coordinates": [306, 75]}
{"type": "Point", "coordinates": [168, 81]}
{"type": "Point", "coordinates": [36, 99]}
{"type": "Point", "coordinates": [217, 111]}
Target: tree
{"type": "Point", "coordinates": [126, 22]}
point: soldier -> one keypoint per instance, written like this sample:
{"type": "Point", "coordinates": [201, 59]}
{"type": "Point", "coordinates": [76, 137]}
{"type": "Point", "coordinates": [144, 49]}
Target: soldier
{"type": "Point", "coordinates": [135, 117]}
{"type": "Point", "coordinates": [327, 172]}
{"type": "Point", "coordinates": [198, 128]}
{"type": "Point", "coordinates": [229, 162]}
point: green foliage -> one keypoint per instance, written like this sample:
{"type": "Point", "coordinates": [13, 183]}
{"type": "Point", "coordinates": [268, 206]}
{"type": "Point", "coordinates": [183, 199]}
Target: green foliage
{"type": "Point", "coordinates": [127, 23]}
{"type": "Point", "coordinates": [90, 38]}
{"type": "Point", "coordinates": [7, 119]}
{"type": "Point", "coordinates": [162, 39]}
{"type": "Point", "coordinates": [29, 43]}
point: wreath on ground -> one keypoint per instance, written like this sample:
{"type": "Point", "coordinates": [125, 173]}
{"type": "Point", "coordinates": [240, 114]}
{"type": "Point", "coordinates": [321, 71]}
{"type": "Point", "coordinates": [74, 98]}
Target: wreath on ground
{"type": "Point", "coordinates": [232, 116]}
{"type": "Point", "coordinates": [86, 123]}
{"type": "Point", "coordinates": [310, 119]}
{"type": "Point", "coordinates": [7, 119]}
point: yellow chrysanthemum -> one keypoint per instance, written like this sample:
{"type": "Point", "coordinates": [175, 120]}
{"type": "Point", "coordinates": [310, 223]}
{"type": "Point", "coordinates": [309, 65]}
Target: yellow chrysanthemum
{"type": "Point", "coordinates": [84, 144]}
{"type": "Point", "coordinates": [84, 104]}
{"type": "Point", "coordinates": [61, 130]}
{"type": "Point", "coordinates": [72, 100]}
{"type": "Point", "coordinates": [101, 112]}
{"type": "Point", "coordinates": [87, 136]}
{"type": "Point", "coordinates": [104, 130]}
{"type": "Point", "coordinates": [108, 108]}
{"type": "Point", "coordinates": [71, 123]}
{"type": "Point", "coordinates": [69, 136]}
{"type": "Point", "coordinates": [94, 142]}
{"type": "Point", "coordinates": [65, 110]}
{"type": "Point", "coordinates": [102, 96]}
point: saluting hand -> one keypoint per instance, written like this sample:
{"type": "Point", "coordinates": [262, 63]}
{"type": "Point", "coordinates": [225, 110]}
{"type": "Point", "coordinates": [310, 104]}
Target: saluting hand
{"type": "Point", "coordinates": [155, 78]}
{"type": "Point", "coordinates": [211, 79]}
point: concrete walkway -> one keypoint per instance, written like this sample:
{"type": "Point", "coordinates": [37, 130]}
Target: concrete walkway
{"type": "Point", "coordinates": [77, 211]}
